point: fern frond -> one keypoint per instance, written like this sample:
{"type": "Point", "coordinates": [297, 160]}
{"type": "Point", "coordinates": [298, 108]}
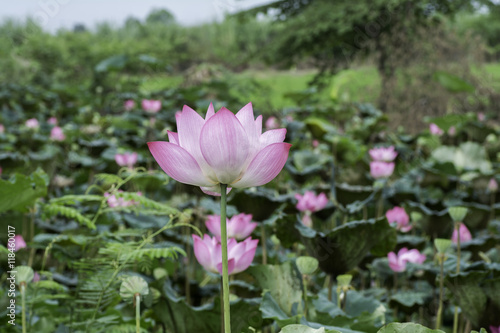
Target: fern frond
{"type": "Point", "coordinates": [156, 253]}
{"type": "Point", "coordinates": [108, 179]}
{"type": "Point", "coordinates": [52, 209]}
{"type": "Point", "coordinates": [148, 203]}
{"type": "Point", "coordinates": [73, 199]}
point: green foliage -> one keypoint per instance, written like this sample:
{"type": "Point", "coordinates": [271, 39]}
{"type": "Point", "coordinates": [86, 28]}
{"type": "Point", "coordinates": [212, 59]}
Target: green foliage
{"type": "Point", "coordinates": [305, 329]}
{"type": "Point", "coordinates": [407, 328]}
{"type": "Point", "coordinates": [21, 192]}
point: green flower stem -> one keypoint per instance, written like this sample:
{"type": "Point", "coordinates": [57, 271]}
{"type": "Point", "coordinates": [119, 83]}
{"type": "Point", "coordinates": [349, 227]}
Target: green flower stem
{"type": "Point", "coordinates": [492, 204]}
{"type": "Point", "coordinates": [330, 287]}
{"type": "Point", "coordinates": [263, 242]}
{"type": "Point", "coordinates": [304, 283]}
{"type": "Point", "coordinates": [23, 304]}
{"type": "Point", "coordinates": [441, 291]}
{"type": "Point", "coordinates": [225, 275]}
{"type": "Point", "coordinates": [138, 313]}
{"type": "Point", "coordinates": [455, 317]}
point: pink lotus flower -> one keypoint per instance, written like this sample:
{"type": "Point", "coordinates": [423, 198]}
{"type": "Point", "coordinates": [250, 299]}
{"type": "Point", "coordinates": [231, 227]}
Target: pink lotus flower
{"type": "Point", "coordinates": [452, 131]}
{"type": "Point", "coordinates": [32, 123]}
{"type": "Point", "coordinates": [52, 121]}
{"type": "Point", "coordinates": [208, 252]}
{"type": "Point", "coordinates": [36, 277]}
{"type": "Point", "coordinates": [465, 234]}
{"type": "Point", "coordinates": [381, 169]}
{"type": "Point", "coordinates": [272, 123]}
{"type": "Point", "coordinates": [398, 262]}
{"type": "Point", "coordinates": [492, 185]}
{"type": "Point", "coordinates": [481, 116]}
{"type": "Point", "coordinates": [435, 130]}
{"type": "Point", "coordinates": [114, 201]}
{"type": "Point", "coordinates": [383, 154]}
{"type": "Point", "coordinates": [223, 148]}
{"type": "Point", "coordinates": [2, 129]}
{"type": "Point", "coordinates": [126, 159]}
{"type": "Point", "coordinates": [315, 143]}
{"type": "Point", "coordinates": [57, 134]}
{"type": "Point", "coordinates": [239, 226]}
{"type": "Point", "coordinates": [130, 104]}
{"type": "Point", "coordinates": [151, 105]}
{"type": "Point", "coordinates": [494, 329]}
{"type": "Point", "coordinates": [398, 217]}
{"type": "Point", "coordinates": [310, 202]}
{"type": "Point", "coordinates": [19, 242]}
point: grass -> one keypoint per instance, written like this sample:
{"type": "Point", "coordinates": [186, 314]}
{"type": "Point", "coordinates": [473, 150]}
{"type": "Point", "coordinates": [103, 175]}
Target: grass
{"type": "Point", "coordinates": [267, 89]}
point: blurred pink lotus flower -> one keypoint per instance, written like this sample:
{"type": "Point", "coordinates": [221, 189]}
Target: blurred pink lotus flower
{"type": "Point", "coordinates": [19, 242]}
{"type": "Point", "coordinates": [310, 202]}
{"type": "Point", "coordinates": [481, 116]}
{"type": "Point", "coordinates": [32, 123]}
{"type": "Point", "coordinates": [381, 169]}
{"type": "Point", "coordinates": [36, 277]}
{"type": "Point", "coordinates": [126, 159]}
{"type": "Point", "coordinates": [315, 143]}
{"type": "Point", "coordinates": [208, 252]}
{"type": "Point", "coordinates": [398, 217]}
{"type": "Point", "coordinates": [492, 185]}
{"type": "Point", "coordinates": [289, 118]}
{"type": "Point", "coordinates": [2, 129]}
{"type": "Point", "coordinates": [151, 105]}
{"type": "Point", "coordinates": [452, 131]}
{"type": "Point", "coordinates": [52, 121]}
{"type": "Point", "coordinates": [383, 154]}
{"type": "Point", "coordinates": [114, 201]}
{"type": "Point", "coordinates": [57, 134]}
{"type": "Point", "coordinates": [239, 226]}
{"type": "Point", "coordinates": [465, 234]}
{"type": "Point", "coordinates": [223, 148]}
{"type": "Point", "coordinates": [435, 130]}
{"type": "Point", "coordinates": [494, 329]}
{"type": "Point", "coordinates": [272, 123]}
{"type": "Point", "coordinates": [129, 104]}
{"type": "Point", "coordinates": [398, 262]}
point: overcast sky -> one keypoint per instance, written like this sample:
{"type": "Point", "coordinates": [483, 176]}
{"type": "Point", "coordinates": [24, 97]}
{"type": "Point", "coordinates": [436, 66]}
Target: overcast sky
{"type": "Point", "coordinates": [54, 14]}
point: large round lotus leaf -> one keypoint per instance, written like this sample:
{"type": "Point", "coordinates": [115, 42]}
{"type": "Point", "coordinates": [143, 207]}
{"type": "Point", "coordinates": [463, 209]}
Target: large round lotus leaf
{"type": "Point", "coordinates": [283, 282]}
{"type": "Point", "coordinates": [437, 224]}
{"type": "Point", "coordinates": [480, 244]}
{"type": "Point", "coordinates": [261, 203]}
{"type": "Point", "coordinates": [478, 215]}
{"type": "Point", "coordinates": [477, 131]}
{"type": "Point", "coordinates": [407, 328]}
{"type": "Point", "coordinates": [477, 294]}
{"type": "Point", "coordinates": [344, 247]}
{"type": "Point", "coordinates": [304, 329]}
{"type": "Point", "coordinates": [175, 313]}
{"type": "Point", "coordinates": [319, 127]}
{"type": "Point", "coordinates": [347, 194]}
{"type": "Point", "coordinates": [409, 301]}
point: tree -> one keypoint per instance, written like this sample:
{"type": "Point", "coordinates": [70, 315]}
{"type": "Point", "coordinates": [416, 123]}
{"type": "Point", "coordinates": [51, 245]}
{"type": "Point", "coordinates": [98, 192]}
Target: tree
{"type": "Point", "coordinates": [334, 33]}
{"type": "Point", "coordinates": [160, 16]}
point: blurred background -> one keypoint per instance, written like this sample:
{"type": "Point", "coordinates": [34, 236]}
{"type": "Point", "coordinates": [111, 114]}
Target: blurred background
{"type": "Point", "coordinates": [411, 59]}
